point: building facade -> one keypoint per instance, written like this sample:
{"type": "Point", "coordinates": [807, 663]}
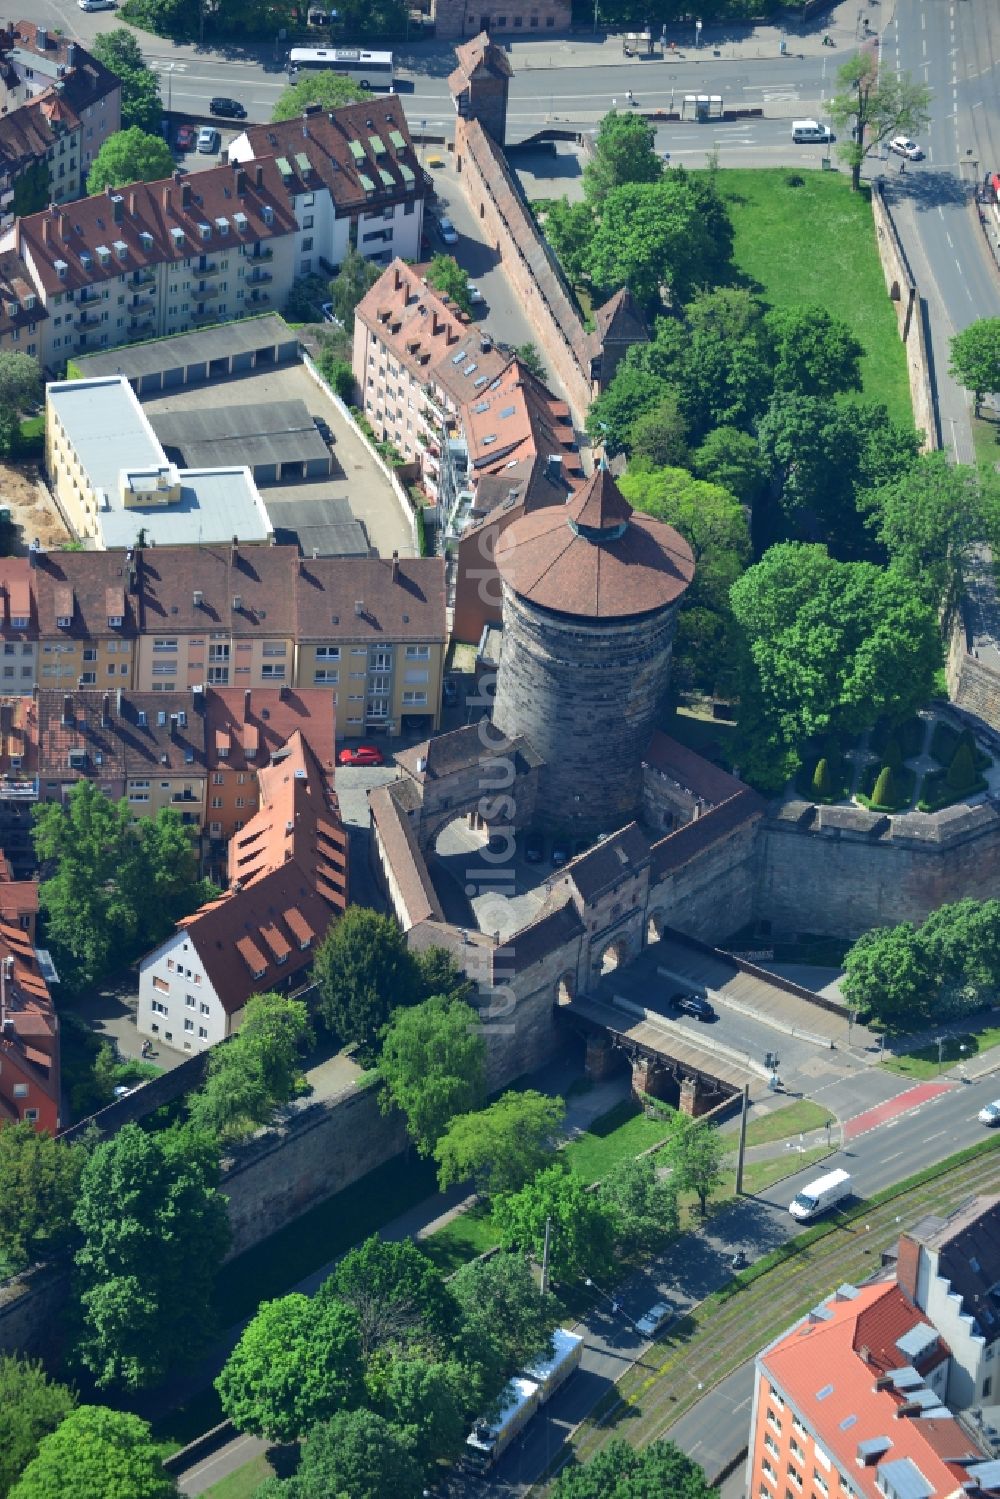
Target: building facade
{"type": "Point", "coordinates": [29, 1035]}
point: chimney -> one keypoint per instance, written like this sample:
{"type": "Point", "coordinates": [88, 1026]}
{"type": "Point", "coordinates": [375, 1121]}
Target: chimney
{"type": "Point", "coordinates": [241, 182]}
{"type": "Point", "coordinates": [67, 713]}
{"type": "Point", "coordinates": [106, 711]}
{"type": "Point", "coordinates": [185, 194]}
{"type": "Point", "coordinates": [132, 204]}
{"type": "Point", "coordinates": [64, 228]}
{"type": "Point", "coordinates": [435, 325]}
{"type": "Point", "coordinates": [166, 197]}
{"type": "Point", "coordinates": [177, 175]}
{"type": "Point", "coordinates": [46, 232]}
{"type": "Point", "coordinates": [395, 567]}
{"type": "Point", "coordinates": [6, 718]}
{"type": "Point", "coordinates": [908, 1266]}
{"type": "Point", "coordinates": [235, 557]}
{"type": "Point", "coordinates": [284, 692]}
{"type": "Point", "coordinates": [246, 705]}
{"type": "Point", "coordinates": [173, 725]}
{"type": "Point", "coordinates": [117, 207]}
{"type": "Point", "coordinates": [71, 54]}
{"type": "Point", "coordinates": [258, 174]}
{"type": "Point", "coordinates": [397, 279]}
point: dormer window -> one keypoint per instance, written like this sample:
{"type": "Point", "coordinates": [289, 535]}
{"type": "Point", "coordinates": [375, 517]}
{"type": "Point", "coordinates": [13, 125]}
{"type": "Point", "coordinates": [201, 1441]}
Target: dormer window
{"type": "Point", "coordinates": [121, 249]}
{"type": "Point", "coordinates": [30, 300]}
{"type": "Point", "coordinates": [104, 254]}
{"type": "Point", "coordinates": [241, 221]}
{"type": "Point", "coordinates": [115, 621]}
{"type": "Point", "coordinates": [205, 230]}
{"type": "Point", "coordinates": [146, 239]}
{"type": "Point", "coordinates": [177, 235]}
{"type": "Point", "coordinates": [61, 269]}
{"type": "Point", "coordinates": [86, 259]}
{"type": "Point", "coordinates": [222, 225]}
{"type": "Point", "coordinates": [64, 621]}
{"type": "Point", "coordinates": [268, 214]}
{"type": "Point", "coordinates": [18, 622]}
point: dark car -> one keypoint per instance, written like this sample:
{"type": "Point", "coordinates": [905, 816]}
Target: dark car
{"type": "Point", "coordinates": [560, 852]}
{"type": "Point", "coordinates": [230, 108]}
{"type": "Point", "coordinates": [323, 429]}
{"type": "Point", "coordinates": [693, 1004]}
{"type": "Point", "coordinates": [580, 846]}
{"type": "Point", "coordinates": [534, 848]}
{"type": "Point", "coordinates": [449, 690]}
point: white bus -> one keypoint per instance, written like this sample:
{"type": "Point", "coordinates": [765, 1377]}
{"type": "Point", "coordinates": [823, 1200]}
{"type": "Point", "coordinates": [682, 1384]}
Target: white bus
{"type": "Point", "coordinates": [372, 70]}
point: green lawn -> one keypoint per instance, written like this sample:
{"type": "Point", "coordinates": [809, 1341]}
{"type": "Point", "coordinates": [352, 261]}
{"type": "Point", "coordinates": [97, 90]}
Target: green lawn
{"type": "Point", "coordinates": [244, 1482]}
{"type": "Point", "coordinates": [619, 1135]}
{"type": "Point", "coordinates": [923, 1063]}
{"type": "Point", "coordinates": [986, 438]}
{"type": "Point", "coordinates": [792, 1119]}
{"type": "Point", "coordinates": [759, 1175]}
{"type": "Point", "coordinates": [816, 244]}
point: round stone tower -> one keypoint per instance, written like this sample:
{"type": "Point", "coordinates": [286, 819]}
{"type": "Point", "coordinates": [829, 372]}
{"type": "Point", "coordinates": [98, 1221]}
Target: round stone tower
{"type": "Point", "coordinates": [590, 597]}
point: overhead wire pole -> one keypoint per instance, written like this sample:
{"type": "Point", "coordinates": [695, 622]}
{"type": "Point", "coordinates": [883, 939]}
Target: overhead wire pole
{"type": "Point", "coordinates": [743, 1139]}
{"type": "Point", "coordinates": [545, 1256]}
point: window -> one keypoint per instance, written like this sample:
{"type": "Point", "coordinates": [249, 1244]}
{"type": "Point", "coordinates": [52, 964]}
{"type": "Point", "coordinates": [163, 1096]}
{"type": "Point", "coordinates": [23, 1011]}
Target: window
{"type": "Point", "coordinates": [215, 829]}
{"type": "Point", "coordinates": [202, 1008]}
{"type": "Point", "coordinates": [216, 803]}
{"type": "Point", "coordinates": [773, 1420]}
{"type": "Point", "coordinates": [157, 1008]}
{"type": "Point", "coordinates": [218, 779]}
{"type": "Point", "coordinates": [418, 652]}
{"type": "Point", "coordinates": [88, 679]}
{"type": "Point", "coordinates": [162, 986]}
{"type": "Point", "coordinates": [414, 699]}
{"type": "Point", "coordinates": [164, 645]}
{"type": "Point", "coordinates": [20, 1090]}
{"type": "Point", "coordinates": [326, 677]}
{"type": "Point", "coordinates": [987, 1386]}
{"type": "Point", "coordinates": [31, 1115]}
{"type": "Point", "coordinates": [241, 801]}
{"type": "Point", "coordinates": [274, 648]}
{"type": "Point", "coordinates": [770, 1443]}
{"type": "Point", "coordinates": [89, 653]}
{"type": "Point", "coordinates": [328, 653]}
{"type": "Point", "coordinates": [188, 1025]}
{"type": "Point", "coordinates": [189, 1001]}
{"type": "Point", "coordinates": [274, 672]}
{"type": "Point", "coordinates": [202, 1033]}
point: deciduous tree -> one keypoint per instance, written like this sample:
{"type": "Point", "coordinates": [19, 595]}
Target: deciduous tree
{"type": "Point", "coordinates": [364, 970]}
{"type": "Point", "coordinates": [331, 90]}
{"type": "Point", "coordinates": [643, 1207]}
{"type": "Point", "coordinates": [503, 1146]}
{"type": "Point", "coordinates": [506, 1321]}
{"type": "Point", "coordinates": [433, 1067]}
{"type": "Point", "coordinates": [885, 972]}
{"type": "Point", "coordinates": [31, 1406]}
{"type": "Point", "coordinates": [256, 1071]}
{"type": "Point", "coordinates": [927, 520]}
{"type": "Point", "coordinates": [357, 1453]}
{"type": "Point", "coordinates": [624, 152]}
{"type": "Point", "coordinates": [695, 1152]}
{"type": "Point", "coordinates": [612, 417]}
{"type": "Point", "coordinates": [531, 359]}
{"type": "Point", "coordinates": [875, 104]}
{"type": "Point", "coordinates": [569, 228]}
{"type": "Point", "coordinates": [96, 1453]}
{"type": "Point", "coordinates": [446, 275]}
{"type": "Point", "coordinates": [20, 388]}
{"type": "Point", "coordinates": [731, 459]}
{"type": "Point", "coordinates": [354, 278]}
{"type": "Point", "coordinates": [130, 155]}
{"type": "Point", "coordinates": [298, 1362]}
{"type": "Point", "coordinates": [650, 235]}
{"type": "Point", "coordinates": [582, 1225]}
{"type": "Point", "coordinates": [426, 1402]}
{"type": "Point", "coordinates": [154, 1230]}
{"type": "Point", "coordinates": [815, 353]}
{"type": "Point", "coordinates": [395, 1294]}
{"type": "Point", "coordinates": [975, 358]}
{"type": "Point", "coordinates": [119, 50]}
{"type": "Point", "coordinates": [39, 1181]}
{"type": "Point", "coordinates": [622, 1472]}
{"type": "Point", "coordinates": [658, 436]}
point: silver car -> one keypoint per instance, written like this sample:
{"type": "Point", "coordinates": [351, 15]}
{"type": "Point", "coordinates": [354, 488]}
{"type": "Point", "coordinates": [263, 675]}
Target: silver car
{"type": "Point", "coordinates": [990, 1113]}
{"type": "Point", "coordinates": [208, 140]}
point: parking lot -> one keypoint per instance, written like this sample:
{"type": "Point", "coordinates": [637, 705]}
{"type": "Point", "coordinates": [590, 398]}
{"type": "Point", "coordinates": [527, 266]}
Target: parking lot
{"type": "Point", "coordinates": [305, 510]}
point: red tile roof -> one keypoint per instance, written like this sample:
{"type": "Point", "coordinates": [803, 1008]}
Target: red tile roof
{"type": "Point", "coordinates": [75, 586]}
{"type": "Point", "coordinates": [29, 1030]}
{"type": "Point", "coordinates": [594, 558]}
{"type": "Point", "coordinates": [289, 880]}
{"type": "Point", "coordinates": [19, 301]}
{"type": "Point", "coordinates": [249, 591]}
{"type": "Point", "coordinates": [374, 598]}
{"type": "Point", "coordinates": [254, 723]}
{"type": "Point", "coordinates": [691, 770]}
{"type": "Point", "coordinates": [119, 734]}
{"type": "Point", "coordinates": [18, 737]}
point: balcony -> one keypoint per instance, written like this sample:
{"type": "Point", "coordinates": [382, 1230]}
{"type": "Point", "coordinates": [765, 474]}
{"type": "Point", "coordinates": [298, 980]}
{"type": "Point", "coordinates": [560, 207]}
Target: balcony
{"type": "Point", "coordinates": [176, 797]}
{"type": "Point", "coordinates": [257, 277]}
{"type": "Point", "coordinates": [142, 278]}
{"type": "Point", "coordinates": [259, 299]}
{"type": "Point", "coordinates": [141, 300]}
{"type": "Point", "coordinates": [199, 319]}
{"type": "Point", "coordinates": [88, 320]}
{"type": "Point", "coordinates": [210, 268]}
{"type": "Point", "coordinates": [14, 790]}
{"type": "Point", "coordinates": [260, 254]}
{"type": "Point", "coordinates": [205, 293]}
{"type": "Point", "coordinates": [139, 320]}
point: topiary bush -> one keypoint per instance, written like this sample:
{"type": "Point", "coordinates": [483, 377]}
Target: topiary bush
{"type": "Point", "coordinates": [884, 794]}
{"type": "Point", "coordinates": [961, 774]}
{"type": "Point", "coordinates": [892, 755]}
{"type": "Point", "coordinates": [822, 786]}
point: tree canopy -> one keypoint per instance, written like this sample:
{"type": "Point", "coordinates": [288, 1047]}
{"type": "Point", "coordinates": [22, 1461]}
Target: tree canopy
{"type": "Point", "coordinates": [507, 1322]}
{"type": "Point", "coordinates": [446, 275]}
{"type": "Point", "coordinates": [433, 1066]}
{"type": "Point", "coordinates": [364, 970]}
{"type": "Point", "coordinates": [395, 1294]}
{"type": "Point", "coordinates": [39, 1182]}
{"type": "Point", "coordinates": [31, 1406]}
{"type": "Point", "coordinates": [815, 353]}
{"type": "Point", "coordinates": [20, 388]}
{"type": "Point", "coordinates": [425, 1401]}
{"type": "Point", "coordinates": [255, 1072]}
{"type": "Point", "coordinates": [154, 1230]}
{"type": "Point", "coordinates": [928, 519]}
{"type": "Point", "coordinates": [354, 278]}
{"type": "Point", "coordinates": [119, 50]}
{"type": "Point", "coordinates": [356, 1453]}
{"type": "Point", "coordinates": [96, 1453]}
{"type": "Point", "coordinates": [331, 90]}
{"type": "Point", "coordinates": [651, 235]}
{"type": "Point", "coordinates": [641, 1204]}
{"type": "Point", "coordinates": [130, 155]}
{"type": "Point", "coordinates": [501, 1147]}
{"type": "Point", "coordinates": [909, 975]}
{"type": "Point", "coordinates": [873, 104]}
{"type": "Point", "coordinates": [582, 1224]}
{"type": "Point", "coordinates": [298, 1362]}
{"type": "Point", "coordinates": [694, 1152]}
{"type": "Point", "coordinates": [624, 151]}
{"type": "Point", "coordinates": [975, 358]}
{"type": "Point", "coordinates": [830, 646]}
{"type": "Point", "coordinates": [620, 1471]}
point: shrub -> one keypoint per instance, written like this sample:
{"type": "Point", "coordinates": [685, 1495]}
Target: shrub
{"type": "Point", "coordinates": [794, 179]}
{"type": "Point", "coordinates": [821, 784]}
{"type": "Point", "coordinates": [962, 770]}
{"type": "Point", "coordinates": [892, 755]}
{"type": "Point", "coordinates": [884, 794]}
{"type": "Point", "coordinates": [421, 532]}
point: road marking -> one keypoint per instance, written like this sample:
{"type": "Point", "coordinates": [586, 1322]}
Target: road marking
{"type": "Point", "coordinates": [894, 1157]}
{"type": "Point", "coordinates": [742, 1403]}
{"type": "Point", "coordinates": [929, 1138]}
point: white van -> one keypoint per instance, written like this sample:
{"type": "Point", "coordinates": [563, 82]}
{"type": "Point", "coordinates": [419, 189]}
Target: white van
{"type": "Point", "coordinates": [810, 132]}
{"type": "Point", "coordinates": [820, 1195]}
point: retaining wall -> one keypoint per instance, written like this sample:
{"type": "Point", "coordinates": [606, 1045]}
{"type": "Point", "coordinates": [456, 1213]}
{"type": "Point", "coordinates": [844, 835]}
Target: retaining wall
{"type": "Point", "coordinates": [910, 318]}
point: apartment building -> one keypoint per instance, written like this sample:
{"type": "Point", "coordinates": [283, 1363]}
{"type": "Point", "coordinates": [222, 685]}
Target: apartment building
{"type": "Point", "coordinates": [29, 1035]}
{"type": "Point", "coordinates": [18, 898]}
{"type": "Point", "coordinates": [157, 257]}
{"type": "Point", "coordinates": [87, 619]}
{"type": "Point", "coordinates": [373, 631]}
{"type": "Point", "coordinates": [850, 1401]}
{"type": "Point", "coordinates": [950, 1269]}
{"type": "Point", "coordinates": [220, 616]}
{"type": "Point", "coordinates": [59, 107]}
{"type": "Point", "coordinates": [116, 485]}
{"type": "Point", "coordinates": [288, 880]}
{"type": "Point", "coordinates": [18, 626]}
{"type": "Point", "coordinates": [444, 394]}
{"type": "Point", "coordinates": [352, 178]}
{"type": "Point", "coordinates": [244, 731]}
{"type": "Point", "coordinates": [19, 786]}
{"type": "Point", "coordinates": [147, 748]}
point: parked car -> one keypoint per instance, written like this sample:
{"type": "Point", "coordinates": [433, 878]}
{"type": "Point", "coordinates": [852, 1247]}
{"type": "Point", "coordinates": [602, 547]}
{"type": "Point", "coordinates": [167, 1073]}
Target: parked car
{"type": "Point", "coordinates": [449, 691]}
{"type": "Point", "coordinates": [903, 146]}
{"type": "Point", "coordinates": [362, 754]}
{"type": "Point", "coordinates": [434, 160]}
{"type": "Point", "coordinates": [229, 108]}
{"type": "Point", "coordinates": [329, 316]}
{"type": "Point", "coordinates": [990, 1113]}
{"type": "Point", "coordinates": [693, 1004]}
{"type": "Point", "coordinates": [186, 138]}
{"type": "Point", "coordinates": [534, 848]}
{"type": "Point", "coordinates": [560, 852]}
{"type": "Point", "coordinates": [97, 4]}
{"type": "Point", "coordinates": [209, 140]}
{"type": "Point", "coordinates": [447, 231]}
{"type": "Point", "coordinates": [475, 295]}
{"type": "Point", "coordinates": [650, 1323]}
{"type": "Point", "coordinates": [323, 428]}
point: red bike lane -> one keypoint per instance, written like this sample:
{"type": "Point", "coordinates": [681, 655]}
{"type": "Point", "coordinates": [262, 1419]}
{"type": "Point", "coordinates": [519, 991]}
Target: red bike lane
{"type": "Point", "coordinates": [903, 1103]}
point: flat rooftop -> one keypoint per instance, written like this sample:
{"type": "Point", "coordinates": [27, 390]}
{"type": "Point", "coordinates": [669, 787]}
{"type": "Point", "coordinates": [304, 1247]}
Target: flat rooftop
{"type": "Point", "coordinates": [104, 422]}
{"type": "Point", "coordinates": [259, 433]}
{"type": "Point", "coordinates": [215, 505]}
{"type": "Point", "coordinates": [182, 349]}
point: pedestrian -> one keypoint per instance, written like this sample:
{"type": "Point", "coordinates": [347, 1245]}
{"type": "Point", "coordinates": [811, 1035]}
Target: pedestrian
{"type": "Point", "coordinates": [902, 167]}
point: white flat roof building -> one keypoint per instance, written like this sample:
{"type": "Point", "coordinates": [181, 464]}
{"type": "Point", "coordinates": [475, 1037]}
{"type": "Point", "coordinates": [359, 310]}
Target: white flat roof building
{"type": "Point", "coordinates": [113, 479]}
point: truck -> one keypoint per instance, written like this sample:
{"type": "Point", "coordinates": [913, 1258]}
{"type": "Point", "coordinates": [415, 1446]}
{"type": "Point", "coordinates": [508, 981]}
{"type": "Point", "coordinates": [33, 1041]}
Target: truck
{"type": "Point", "coordinates": [524, 1394]}
{"type": "Point", "coordinates": [822, 1194]}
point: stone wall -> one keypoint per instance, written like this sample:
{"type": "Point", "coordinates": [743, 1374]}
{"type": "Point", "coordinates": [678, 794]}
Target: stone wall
{"type": "Point", "coordinates": [713, 893]}
{"type": "Point", "coordinates": [839, 883]}
{"type": "Point", "coordinates": [507, 223]}
{"type": "Point", "coordinates": [31, 1312]}
{"type": "Point", "coordinates": [322, 1149]}
{"type": "Point", "coordinates": [972, 686]}
{"type": "Point", "coordinates": [910, 318]}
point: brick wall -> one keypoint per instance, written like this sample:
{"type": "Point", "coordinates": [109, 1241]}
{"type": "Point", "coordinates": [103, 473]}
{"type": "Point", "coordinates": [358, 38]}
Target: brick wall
{"type": "Point", "coordinates": [495, 199]}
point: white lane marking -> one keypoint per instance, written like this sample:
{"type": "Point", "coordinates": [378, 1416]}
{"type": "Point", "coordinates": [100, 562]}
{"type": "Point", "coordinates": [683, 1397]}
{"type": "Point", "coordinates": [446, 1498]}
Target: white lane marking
{"type": "Point", "coordinates": [894, 1157]}
{"type": "Point", "coordinates": [929, 1138]}
{"type": "Point", "coordinates": [949, 239]}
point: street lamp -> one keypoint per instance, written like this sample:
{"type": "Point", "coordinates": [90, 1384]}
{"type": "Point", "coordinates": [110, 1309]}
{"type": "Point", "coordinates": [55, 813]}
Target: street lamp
{"type": "Point", "coordinates": [940, 1040]}
{"type": "Point", "coordinates": [593, 1286]}
{"type": "Point", "coordinates": [697, 33]}
{"type": "Point", "coordinates": [170, 79]}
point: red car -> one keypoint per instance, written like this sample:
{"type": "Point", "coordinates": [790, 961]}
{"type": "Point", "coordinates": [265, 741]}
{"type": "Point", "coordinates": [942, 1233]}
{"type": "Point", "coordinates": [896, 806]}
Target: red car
{"type": "Point", "coordinates": [365, 754]}
{"type": "Point", "coordinates": [186, 137]}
